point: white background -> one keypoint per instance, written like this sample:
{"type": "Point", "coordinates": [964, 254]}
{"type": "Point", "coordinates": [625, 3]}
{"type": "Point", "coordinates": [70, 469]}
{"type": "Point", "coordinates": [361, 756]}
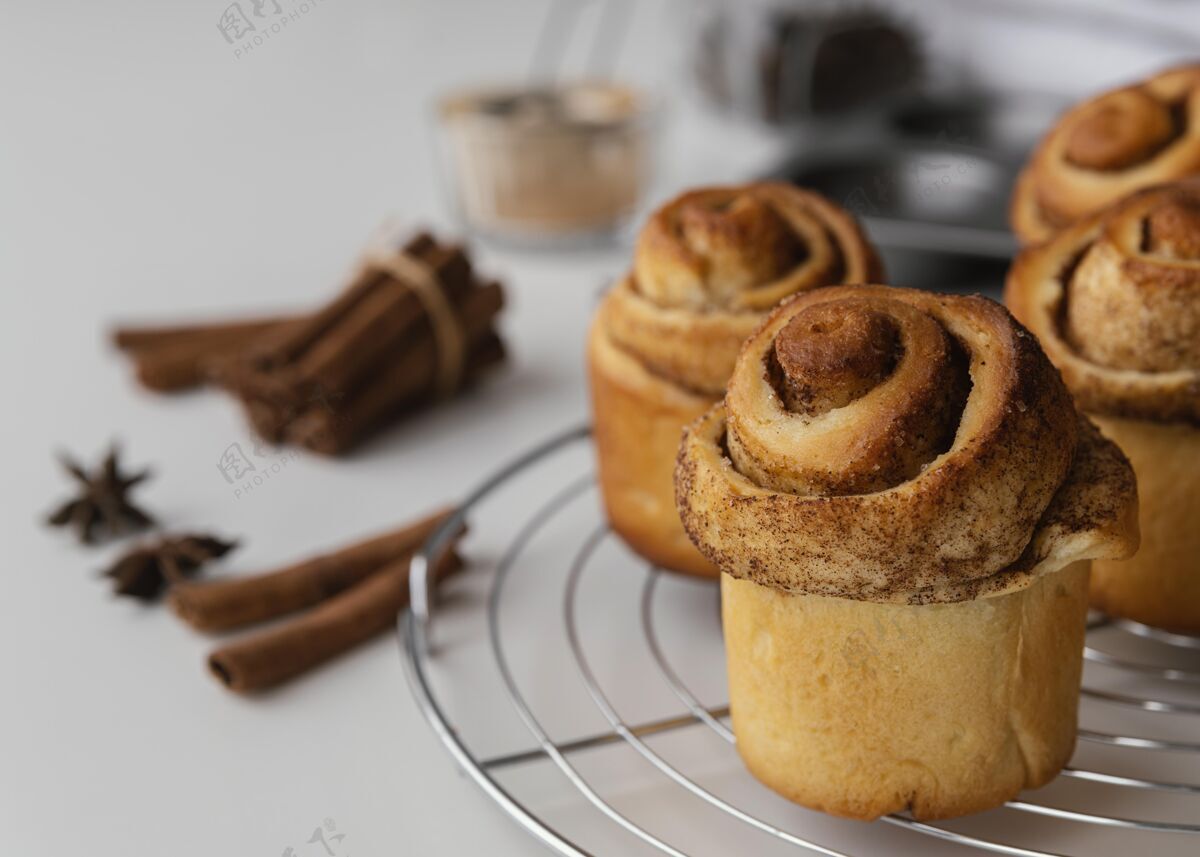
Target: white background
{"type": "Point", "coordinates": [146, 172]}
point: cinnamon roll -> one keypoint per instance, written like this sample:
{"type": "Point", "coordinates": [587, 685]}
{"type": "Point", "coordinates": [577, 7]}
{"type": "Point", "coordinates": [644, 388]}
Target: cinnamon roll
{"type": "Point", "coordinates": [707, 268]}
{"type": "Point", "coordinates": [902, 498]}
{"type": "Point", "coordinates": [1107, 147]}
{"type": "Point", "coordinates": [1115, 301]}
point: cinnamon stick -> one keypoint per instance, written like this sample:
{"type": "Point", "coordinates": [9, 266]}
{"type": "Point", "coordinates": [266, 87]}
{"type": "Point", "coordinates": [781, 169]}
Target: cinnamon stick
{"type": "Point", "coordinates": [328, 379]}
{"type": "Point", "coordinates": [342, 416]}
{"type": "Point", "coordinates": [341, 346]}
{"type": "Point", "coordinates": [168, 359]}
{"type": "Point", "coordinates": [401, 386]}
{"type": "Point", "coordinates": [391, 315]}
{"type": "Point", "coordinates": [222, 605]}
{"type": "Point", "coordinates": [268, 420]}
{"type": "Point", "coordinates": [138, 337]}
{"type": "Point", "coordinates": [272, 657]}
{"type": "Point", "coordinates": [450, 266]}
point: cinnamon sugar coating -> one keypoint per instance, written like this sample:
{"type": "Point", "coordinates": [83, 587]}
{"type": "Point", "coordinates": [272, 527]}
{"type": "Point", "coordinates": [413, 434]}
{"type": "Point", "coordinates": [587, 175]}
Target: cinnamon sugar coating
{"type": "Point", "coordinates": [1173, 229]}
{"type": "Point", "coordinates": [1124, 129]}
{"type": "Point", "coordinates": [825, 358]}
{"type": "Point", "coordinates": [709, 263]}
{"type": "Point", "coordinates": [1107, 147]}
{"type": "Point", "coordinates": [964, 472]}
{"type": "Point", "coordinates": [708, 267]}
{"type": "Point", "coordinates": [915, 369]}
{"type": "Point", "coordinates": [1115, 301]}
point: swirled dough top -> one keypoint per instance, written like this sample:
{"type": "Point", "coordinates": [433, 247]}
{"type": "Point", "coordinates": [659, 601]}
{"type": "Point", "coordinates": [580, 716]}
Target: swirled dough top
{"type": "Point", "coordinates": [1107, 147]}
{"type": "Point", "coordinates": [894, 445]}
{"type": "Point", "coordinates": [711, 262]}
{"type": "Point", "coordinates": [1115, 302]}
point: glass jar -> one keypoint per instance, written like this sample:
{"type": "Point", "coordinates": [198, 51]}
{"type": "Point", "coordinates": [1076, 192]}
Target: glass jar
{"type": "Point", "coordinates": [548, 164]}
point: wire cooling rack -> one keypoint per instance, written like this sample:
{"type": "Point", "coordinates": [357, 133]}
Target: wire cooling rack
{"type": "Point", "coordinates": [584, 693]}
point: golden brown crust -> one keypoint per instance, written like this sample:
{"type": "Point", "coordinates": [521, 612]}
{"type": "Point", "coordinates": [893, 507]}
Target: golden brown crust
{"type": "Point", "coordinates": [1159, 585]}
{"type": "Point", "coordinates": [1115, 302]}
{"type": "Point", "coordinates": [694, 351]}
{"type": "Point", "coordinates": [745, 248]}
{"type": "Point", "coordinates": [710, 263]}
{"type": "Point", "coordinates": [832, 709]}
{"type": "Point", "coordinates": [707, 267]}
{"type": "Point", "coordinates": [868, 418]}
{"type": "Point", "coordinates": [1003, 487]}
{"type": "Point", "coordinates": [1107, 147]}
{"type": "Point", "coordinates": [636, 429]}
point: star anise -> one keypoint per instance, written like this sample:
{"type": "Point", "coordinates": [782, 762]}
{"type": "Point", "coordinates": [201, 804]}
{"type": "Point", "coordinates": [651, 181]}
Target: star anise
{"type": "Point", "coordinates": [102, 502]}
{"type": "Point", "coordinates": [146, 570]}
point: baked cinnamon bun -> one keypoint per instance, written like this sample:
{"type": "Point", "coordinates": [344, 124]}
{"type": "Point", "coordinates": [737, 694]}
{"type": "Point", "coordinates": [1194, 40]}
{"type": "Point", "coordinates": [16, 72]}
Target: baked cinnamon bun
{"type": "Point", "coordinates": [1107, 147]}
{"type": "Point", "coordinates": [1115, 301]}
{"type": "Point", "coordinates": [707, 268]}
{"type": "Point", "coordinates": [902, 498]}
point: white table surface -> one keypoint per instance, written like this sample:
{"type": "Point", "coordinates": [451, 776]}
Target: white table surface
{"type": "Point", "coordinates": [147, 172]}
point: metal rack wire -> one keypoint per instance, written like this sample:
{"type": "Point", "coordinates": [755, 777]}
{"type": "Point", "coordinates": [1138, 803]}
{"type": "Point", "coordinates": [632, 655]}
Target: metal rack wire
{"type": "Point", "coordinates": [1175, 692]}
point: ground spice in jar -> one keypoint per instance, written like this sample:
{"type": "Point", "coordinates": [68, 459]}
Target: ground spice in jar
{"type": "Point", "coordinates": [548, 162]}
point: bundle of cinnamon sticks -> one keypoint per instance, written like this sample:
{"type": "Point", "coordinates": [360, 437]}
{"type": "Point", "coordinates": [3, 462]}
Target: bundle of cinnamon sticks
{"type": "Point", "coordinates": [336, 600]}
{"type": "Point", "coordinates": [414, 323]}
